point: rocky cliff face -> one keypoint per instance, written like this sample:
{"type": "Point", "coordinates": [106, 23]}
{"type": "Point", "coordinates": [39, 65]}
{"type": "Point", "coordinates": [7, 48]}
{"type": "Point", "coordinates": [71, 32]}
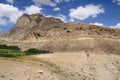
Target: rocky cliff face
{"type": "Point", "coordinates": [53, 34]}
{"type": "Point", "coordinates": [31, 25]}
{"type": "Point", "coordinates": [36, 27]}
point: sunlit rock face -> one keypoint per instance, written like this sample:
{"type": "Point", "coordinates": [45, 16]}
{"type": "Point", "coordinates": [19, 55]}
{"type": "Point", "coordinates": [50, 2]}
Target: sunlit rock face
{"type": "Point", "coordinates": [53, 34]}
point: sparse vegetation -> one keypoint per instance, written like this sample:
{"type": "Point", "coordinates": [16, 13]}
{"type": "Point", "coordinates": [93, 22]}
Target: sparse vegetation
{"type": "Point", "coordinates": [10, 47]}
{"type": "Point", "coordinates": [33, 51]}
{"type": "Point", "coordinates": [15, 51]}
{"type": "Point", "coordinates": [10, 51]}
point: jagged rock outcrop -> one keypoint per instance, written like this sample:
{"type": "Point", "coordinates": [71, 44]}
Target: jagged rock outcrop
{"type": "Point", "coordinates": [31, 26]}
{"type": "Point", "coordinates": [53, 34]}
{"type": "Point", "coordinates": [36, 27]}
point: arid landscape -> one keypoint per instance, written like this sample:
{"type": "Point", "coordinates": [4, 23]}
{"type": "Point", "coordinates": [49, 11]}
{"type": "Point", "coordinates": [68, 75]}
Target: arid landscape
{"type": "Point", "coordinates": [79, 51]}
{"type": "Point", "coordinates": [62, 66]}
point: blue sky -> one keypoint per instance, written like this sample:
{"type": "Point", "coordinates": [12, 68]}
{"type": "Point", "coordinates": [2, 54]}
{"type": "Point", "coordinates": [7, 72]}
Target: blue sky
{"type": "Point", "coordinates": [97, 12]}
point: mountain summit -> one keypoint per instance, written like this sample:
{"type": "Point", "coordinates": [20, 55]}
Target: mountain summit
{"type": "Point", "coordinates": [32, 25]}
{"type": "Point", "coordinates": [53, 34]}
{"type": "Point", "coordinates": [36, 26]}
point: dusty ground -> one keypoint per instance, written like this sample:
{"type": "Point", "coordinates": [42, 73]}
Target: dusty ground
{"type": "Point", "coordinates": [62, 66]}
{"type": "Point", "coordinates": [16, 70]}
{"type": "Point", "coordinates": [95, 67]}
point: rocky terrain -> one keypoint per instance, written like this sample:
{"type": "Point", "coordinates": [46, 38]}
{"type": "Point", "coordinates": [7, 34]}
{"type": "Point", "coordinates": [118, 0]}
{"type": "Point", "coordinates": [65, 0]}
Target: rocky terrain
{"type": "Point", "coordinates": [53, 34]}
{"type": "Point", "coordinates": [80, 51]}
{"type": "Point", "coordinates": [36, 27]}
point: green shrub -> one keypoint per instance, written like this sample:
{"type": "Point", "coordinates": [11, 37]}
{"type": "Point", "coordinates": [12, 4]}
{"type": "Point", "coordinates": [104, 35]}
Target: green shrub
{"type": "Point", "coordinates": [10, 47]}
{"type": "Point", "coordinates": [3, 46]}
{"type": "Point", "coordinates": [11, 53]}
{"type": "Point", "coordinates": [15, 51]}
{"type": "Point", "coordinates": [14, 48]}
{"type": "Point", "coordinates": [33, 51]}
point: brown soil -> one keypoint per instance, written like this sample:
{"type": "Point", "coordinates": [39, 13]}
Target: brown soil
{"type": "Point", "coordinates": [62, 66]}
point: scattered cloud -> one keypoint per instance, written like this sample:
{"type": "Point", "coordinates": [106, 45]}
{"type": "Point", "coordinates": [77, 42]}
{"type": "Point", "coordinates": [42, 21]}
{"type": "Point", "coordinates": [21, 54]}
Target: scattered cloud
{"type": "Point", "coordinates": [13, 13]}
{"type": "Point", "coordinates": [96, 23]}
{"type": "Point", "coordinates": [116, 26]}
{"type": "Point", "coordinates": [118, 1]}
{"type": "Point", "coordinates": [56, 9]}
{"type": "Point", "coordinates": [62, 17]}
{"type": "Point", "coordinates": [59, 16]}
{"type": "Point", "coordinates": [10, 12]}
{"type": "Point", "coordinates": [32, 9]}
{"type": "Point", "coordinates": [51, 3]}
{"type": "Point", "coordinates": [10, 1]}
{"type": "Point", "coordinates": [44, 2]}
{"type": "Point", "coordinates": [84, 12]}
{"type": "Point", "coordinates": [59, 1]}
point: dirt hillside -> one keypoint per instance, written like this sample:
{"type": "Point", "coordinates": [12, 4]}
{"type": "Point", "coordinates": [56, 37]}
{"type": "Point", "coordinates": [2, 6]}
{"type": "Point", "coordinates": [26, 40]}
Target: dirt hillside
{"type": "Point", "coordinates": [38, 31]}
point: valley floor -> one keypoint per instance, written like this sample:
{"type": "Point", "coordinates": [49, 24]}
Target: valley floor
{"type": "Point", "coordinates": [62, 66]}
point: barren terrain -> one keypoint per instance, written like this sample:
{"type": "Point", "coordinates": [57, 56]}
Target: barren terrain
{"type": "Point", "coordinates": [80, 51]}
{"type": "Point", "coordinates": [62, 66]}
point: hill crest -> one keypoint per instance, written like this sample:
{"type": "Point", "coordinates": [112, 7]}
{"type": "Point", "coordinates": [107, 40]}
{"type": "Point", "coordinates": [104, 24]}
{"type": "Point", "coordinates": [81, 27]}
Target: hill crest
{"type": "Point", "coordinates": [36, 26]}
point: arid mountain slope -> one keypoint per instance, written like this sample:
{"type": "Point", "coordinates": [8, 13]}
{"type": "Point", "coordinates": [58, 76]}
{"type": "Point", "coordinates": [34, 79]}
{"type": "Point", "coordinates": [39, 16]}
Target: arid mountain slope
{"type": "Point", "coordinates": [53, 34]}
{"type": "Point", "coordinates": [36, 27]}
{"type": "Point", "coordinates": [33, 26]}
{"type": "Point", "coordinates": [71, 44]}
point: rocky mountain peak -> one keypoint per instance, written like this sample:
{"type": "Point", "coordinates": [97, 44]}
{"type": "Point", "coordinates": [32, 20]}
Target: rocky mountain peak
{"type": "Point", "coordinates": [27, 22]}
{"type": "Point", "coordinates": [52, 34]}
{"type": "Point", "coordinates": [37, 27]}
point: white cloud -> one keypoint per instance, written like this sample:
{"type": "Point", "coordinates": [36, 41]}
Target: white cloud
{"type": "Point", "coordinates": [59, 16]}
{"type": "Point", "coordinates": [82, 13]}
{"type": "Point", "coordinates": [3, 21]}
{"type": "Point", "coordinates": [62, 17]}
{"type": "Point", "coordinates": [59, 1]}
{"type": "Point", "coordinates": [10, 1]}
{"type": "Point", "coordinates": [118, 1]}
{"type": "Point", "coordinates": [13, 13]}
{"type": "Point", "coordinates": [51, 3]}
{"type": "Point", "coordinates": [56, 9]}
{"type": "Point", "coordinates": [10, 12]}
{"type": "Point", "coordinates": [116, 26]}
{"type": "Point", "coordinates": [32, 9]}
{"type": "Point", "coordinates": [96, 23]}
{"type": "Point", "coordinates": [44, 2]}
